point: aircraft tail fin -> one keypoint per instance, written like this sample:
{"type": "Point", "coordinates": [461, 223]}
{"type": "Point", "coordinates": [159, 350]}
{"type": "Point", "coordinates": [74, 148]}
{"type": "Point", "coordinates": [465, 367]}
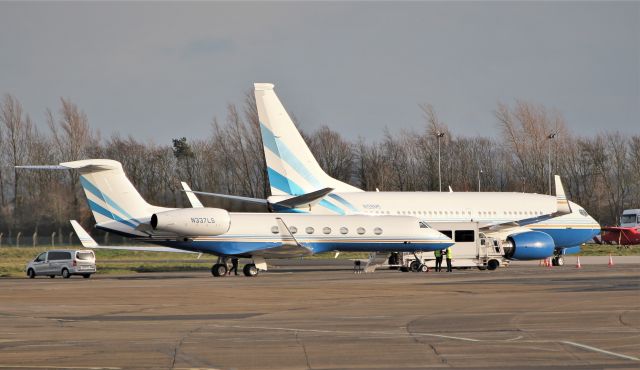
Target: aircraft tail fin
{"type": "Point", "coordinates": [112, 198]}
{"type": "Point", "coordinates": [292, 168]}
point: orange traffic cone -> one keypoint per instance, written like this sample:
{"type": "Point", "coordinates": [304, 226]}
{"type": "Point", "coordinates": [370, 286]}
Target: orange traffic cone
{"type": "Point", "coordinates": [578, 265]}
{"type": "Point", "coordinates": [542, 263]}
{"type": "Point", "coordinates": [611, 261]}
{"type": "Point", "coordinates": [549, 263]}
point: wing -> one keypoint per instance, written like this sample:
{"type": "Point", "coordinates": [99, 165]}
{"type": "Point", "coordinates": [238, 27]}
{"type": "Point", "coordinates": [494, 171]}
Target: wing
{"type": "Point", "coordinates": [88, 242]}
{"type": "Point", "coordinates": [563, 207]}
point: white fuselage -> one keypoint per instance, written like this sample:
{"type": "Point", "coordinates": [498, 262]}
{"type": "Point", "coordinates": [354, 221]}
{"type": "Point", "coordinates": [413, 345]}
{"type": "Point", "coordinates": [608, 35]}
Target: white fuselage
{"type": "Point", "coordinates": [486, 208]}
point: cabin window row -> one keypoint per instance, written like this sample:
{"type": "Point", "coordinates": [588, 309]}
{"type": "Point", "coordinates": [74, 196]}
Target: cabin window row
{"type": "Point", "coordinates": [327, 230]}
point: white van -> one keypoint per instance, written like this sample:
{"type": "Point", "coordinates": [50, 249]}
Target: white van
{"type": "Point", "coordinates": [64, 263]}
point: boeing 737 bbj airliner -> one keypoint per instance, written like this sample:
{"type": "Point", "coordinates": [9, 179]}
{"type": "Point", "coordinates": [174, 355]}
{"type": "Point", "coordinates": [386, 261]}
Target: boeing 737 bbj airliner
{"type": "Point", "coordinates": [118, 208]}
{"type": "Point", "coordinates": [530, 225]}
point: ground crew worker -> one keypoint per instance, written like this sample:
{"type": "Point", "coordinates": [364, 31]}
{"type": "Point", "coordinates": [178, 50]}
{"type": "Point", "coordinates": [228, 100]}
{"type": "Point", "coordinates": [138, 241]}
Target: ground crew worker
{"type": "Point", "coordinates": [449, 256]}
{"type": "Point", "coordinates": [438, 254]}
{"type": "Point", "coordinates": [234, 265]}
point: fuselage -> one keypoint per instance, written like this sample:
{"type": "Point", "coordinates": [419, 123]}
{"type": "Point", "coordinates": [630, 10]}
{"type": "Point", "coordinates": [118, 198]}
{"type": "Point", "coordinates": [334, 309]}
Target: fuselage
{"type": "Point", "coordinates": [252, 232]}
{"type": "Point", "coordinates": [487, 208]}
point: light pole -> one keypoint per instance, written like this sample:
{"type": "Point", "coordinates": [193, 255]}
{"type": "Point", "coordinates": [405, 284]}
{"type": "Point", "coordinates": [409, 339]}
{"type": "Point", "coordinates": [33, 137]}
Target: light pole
{"type": "Point", "coordinates": [550, 137]}
{"type": "Point", "coordinates": [479, 174]}
{"type": "Point", "coordinates": [439, 135]}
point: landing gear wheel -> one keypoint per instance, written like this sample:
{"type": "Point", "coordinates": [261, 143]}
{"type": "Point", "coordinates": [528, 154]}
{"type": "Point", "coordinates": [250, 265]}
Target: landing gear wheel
{"type": "Point", "coordinates": [415, 266]}
{"type": "Point", "coordinates": [559, 261]}
{"type": "Point", "coordinates": [65, 273]}
{"type": "Point", "coordinates": [219, 269]}
{"type": "Point", "coordinates": [250, 270]}
{"type": "Point", "coordinates": [424, 268]}
{"type": "Point", "coordinates": [493, 264]}
{"type": "Point", "coordinates": [31, 274]}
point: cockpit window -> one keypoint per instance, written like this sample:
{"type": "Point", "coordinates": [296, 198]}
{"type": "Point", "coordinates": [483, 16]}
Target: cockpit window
{"type": "Point", "coordinates": [583, 212]}
{"type": "Point", "coordinates": [423, 225]}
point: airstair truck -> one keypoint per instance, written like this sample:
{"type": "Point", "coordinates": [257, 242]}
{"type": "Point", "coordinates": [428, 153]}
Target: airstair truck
{"type": "Point", "coordinates": [472, 249]}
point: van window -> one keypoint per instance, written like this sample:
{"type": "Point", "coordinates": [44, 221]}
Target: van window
{"type": "Point", "coordinates": [41, 257]}
{"type": "Point", "coordinates": [464, 236]}
{"type": "Point", "coordinates": [446, 232]}
{"type": "Point", "coordinates": [59, 256]}
{"type": "Point", "coordinates": [85, 256]}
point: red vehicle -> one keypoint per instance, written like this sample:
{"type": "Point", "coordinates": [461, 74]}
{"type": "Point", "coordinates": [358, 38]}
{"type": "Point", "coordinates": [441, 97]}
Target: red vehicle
{"type": "Point", "coordinates": [628, 233]}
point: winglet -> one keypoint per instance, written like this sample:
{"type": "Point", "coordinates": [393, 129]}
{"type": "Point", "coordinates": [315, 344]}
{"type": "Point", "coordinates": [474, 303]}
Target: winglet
{"type": "Point", "coordinates": [285, 232]}
{"type": "Point", "coordinates": [563, 203]}
{"type": "Point", "coordinates": [86, 239]}
{"type": "Point", "coordinates": [193, 199]}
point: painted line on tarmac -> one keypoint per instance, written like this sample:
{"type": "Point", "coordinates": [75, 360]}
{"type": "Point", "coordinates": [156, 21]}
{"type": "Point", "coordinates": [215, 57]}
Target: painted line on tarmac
{"type": "Point", "coordinates": [347, 332]}
{"type": "Point", "coordinates": [57, 367]}
{"type": "Point", "coordinates": [594, 349]}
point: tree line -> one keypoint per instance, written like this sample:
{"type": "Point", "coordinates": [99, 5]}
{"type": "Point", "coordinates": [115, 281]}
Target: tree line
{"type": "Point", "coordinates": [601, 172]}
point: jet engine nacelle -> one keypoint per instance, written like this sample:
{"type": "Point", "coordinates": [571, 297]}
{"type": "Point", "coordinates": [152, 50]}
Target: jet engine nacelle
{"type": "Point", "coordinates": [529, 245]}
{"type": "Point", "coordinates": [193, 221]}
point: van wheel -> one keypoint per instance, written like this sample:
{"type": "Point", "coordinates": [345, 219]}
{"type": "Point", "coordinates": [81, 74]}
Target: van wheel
{"type": "Point", "coordinates": [31, 274]}
{"type": "Point", "coordinates": [86, 276]}
{"type": "Point", "coordinates": [415, 266]}
{"type": "Point", "coordinates": [493, 264]}
{"type": "Point", "coordinates": [65, 273]}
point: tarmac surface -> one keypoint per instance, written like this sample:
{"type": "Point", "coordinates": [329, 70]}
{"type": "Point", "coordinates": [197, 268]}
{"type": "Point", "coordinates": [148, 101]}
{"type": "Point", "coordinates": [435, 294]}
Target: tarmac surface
{"type": "Point", "coordinates": [323, 316]}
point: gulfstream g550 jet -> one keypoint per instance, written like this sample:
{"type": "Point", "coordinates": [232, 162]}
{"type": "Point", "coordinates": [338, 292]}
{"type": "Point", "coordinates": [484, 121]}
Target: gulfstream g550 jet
{"type": "Point", "coordinates": [118, 208]}
{"type": "Point", "coordinates": [531, 226]}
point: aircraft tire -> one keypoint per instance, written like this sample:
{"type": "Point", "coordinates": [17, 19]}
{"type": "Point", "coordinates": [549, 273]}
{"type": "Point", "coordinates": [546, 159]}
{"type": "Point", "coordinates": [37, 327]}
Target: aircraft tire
{"type": "Point", "coordinates": [219, 269]}
{"type": "Point", "coordinates": [424, 268]}
{"type": "Point", "coordinates": [559, 261]}
{"type": "Point", "coordinates": [250, 270]}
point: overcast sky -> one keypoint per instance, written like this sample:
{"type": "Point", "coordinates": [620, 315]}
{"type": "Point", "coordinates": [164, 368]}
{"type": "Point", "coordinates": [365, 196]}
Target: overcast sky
{"type": "Point", "coordinates": [164, 70]}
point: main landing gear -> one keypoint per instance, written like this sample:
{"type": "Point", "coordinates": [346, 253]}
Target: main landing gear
{"type": "Point", "coordinates": [221, 268]}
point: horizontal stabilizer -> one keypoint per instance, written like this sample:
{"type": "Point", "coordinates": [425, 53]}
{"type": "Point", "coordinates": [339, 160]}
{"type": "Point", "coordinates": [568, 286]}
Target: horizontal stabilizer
{"type": "Point", "coordinates": [88, 242]}
{"type": "Point", "coordinates": [305, 200]}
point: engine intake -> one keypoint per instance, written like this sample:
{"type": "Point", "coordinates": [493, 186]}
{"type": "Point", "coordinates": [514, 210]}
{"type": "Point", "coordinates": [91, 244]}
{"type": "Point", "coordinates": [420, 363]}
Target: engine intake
{"type": "Point", "coordinates": [193, 221]}
{"type": "Point", "coordinates": [529, 245]}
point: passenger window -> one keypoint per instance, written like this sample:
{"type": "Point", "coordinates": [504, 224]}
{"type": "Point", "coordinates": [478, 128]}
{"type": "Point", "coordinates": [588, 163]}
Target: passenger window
{"type": "Point", "coordinates": [326, 230]}
{"type": "Point", "coordinates": [41, 257]}
{"type": "Point", "coordinates": [446, 232]}
{"type": "Point", "coordinates": [274, 229]}
{"type": "Point", "coordinates": [377, 231]}
{"type": "Point", "coordinates": [309, 230]}
{"type": "Point", "coordinates": [465, 236]}
{"type": "Point", "coordinates": [361, 230]}
{"type": "Point", "coordinates": [293, 229]}
{"type": "Point", "coordinates": [344, 230]}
